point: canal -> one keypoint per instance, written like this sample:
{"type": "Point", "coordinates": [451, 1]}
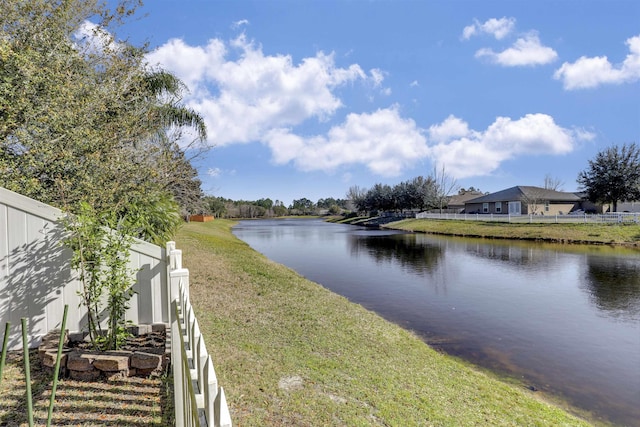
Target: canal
{"type": "Point", "coordinates": [563, 320]}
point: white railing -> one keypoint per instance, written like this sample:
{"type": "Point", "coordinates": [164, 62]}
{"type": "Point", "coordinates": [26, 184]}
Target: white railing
{"type": "Point", "coordinates": [609, 218]}
{"type": "Point", "coordinates": [198, 399]}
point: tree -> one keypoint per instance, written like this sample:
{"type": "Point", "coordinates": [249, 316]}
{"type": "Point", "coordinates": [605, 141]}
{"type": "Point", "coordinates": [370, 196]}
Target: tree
{"type": "Point", "coordinates": [78, 112]}
{"type": "Point", "coordinates": [303, 206]}
{"type": "Point", "coordinates": [613, 176]}
{"type": "Point", "coordinates": [551, 183]}
{"type": "Point", "coordinates": [215, 206]}
{"type": "Point", "coordinates": [444, 185]}
{"type": "Point", "coordinates": [86, 126]}
{"type": "Point", "coordinates": [357, 197]}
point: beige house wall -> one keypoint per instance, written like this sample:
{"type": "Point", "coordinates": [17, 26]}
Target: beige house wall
{"type": "Point", "coordinates": [555, 208]}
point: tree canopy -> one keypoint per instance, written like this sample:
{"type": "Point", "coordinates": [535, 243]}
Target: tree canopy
{"type": "Point", "coordinates": [84, 119]}
{"type": "Point", "coordinates": [613, 175]}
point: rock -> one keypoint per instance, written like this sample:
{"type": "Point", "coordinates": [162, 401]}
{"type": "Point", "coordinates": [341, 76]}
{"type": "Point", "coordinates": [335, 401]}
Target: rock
{"type": "Point", "coordinates": [111, 362]}
{"type": "Point", "coordinates": [78, 336]}
{"type": "Point", "coordinates": [140, 360]}
{"type": "Point", "coordinates": [138, 330]}
{"type": "Point", "coordinates": [77, 361]}
{"type": "Point", "coordinates": [48, 359]}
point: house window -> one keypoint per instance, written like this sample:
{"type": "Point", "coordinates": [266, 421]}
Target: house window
{"type": "Point", "coordinates": [498, 207]}
{"type": "Point", "coordinates": [546, 206]}
{"type": "Point", "coordinates": [485, 208]}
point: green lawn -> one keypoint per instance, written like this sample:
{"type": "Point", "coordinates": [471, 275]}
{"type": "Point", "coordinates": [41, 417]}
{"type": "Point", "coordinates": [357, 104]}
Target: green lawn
{"type": "Point", "coordinates": [619, 234]}
{"type": "Point", "coordinates": [289, 352]}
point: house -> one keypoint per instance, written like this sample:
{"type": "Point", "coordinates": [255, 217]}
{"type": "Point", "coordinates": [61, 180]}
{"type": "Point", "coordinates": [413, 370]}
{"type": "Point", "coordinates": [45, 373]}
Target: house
{"type": "Point", "coordinates": [623, 205]}
{"type": "Point", "coordinates": [627, 206]}
{"type": "Point", "coordinates": [456, 202]}
{"type": "Point", "coordinates": [524, 200]}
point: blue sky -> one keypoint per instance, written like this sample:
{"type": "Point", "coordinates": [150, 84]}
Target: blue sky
{"type": "Point", "coordinates": [308, 98]}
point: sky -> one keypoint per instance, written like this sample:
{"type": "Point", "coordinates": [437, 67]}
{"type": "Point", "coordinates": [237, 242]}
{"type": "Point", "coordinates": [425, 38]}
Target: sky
{"type": "Point", "coordinates": [306, 98]}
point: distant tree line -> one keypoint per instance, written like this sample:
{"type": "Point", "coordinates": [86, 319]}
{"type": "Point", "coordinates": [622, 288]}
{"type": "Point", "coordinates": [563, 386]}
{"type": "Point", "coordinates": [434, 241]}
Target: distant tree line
{"type": "Point", "coordinates": [221, 207]}
{"type": "Point", "coordinates": [417, 194]}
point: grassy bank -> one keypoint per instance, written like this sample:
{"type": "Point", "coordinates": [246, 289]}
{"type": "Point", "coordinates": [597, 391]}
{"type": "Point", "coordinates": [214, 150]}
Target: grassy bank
{"type": "Point", "coordinates": [289, 352]}
{"type": "Point", "coordinates": [618, 234]}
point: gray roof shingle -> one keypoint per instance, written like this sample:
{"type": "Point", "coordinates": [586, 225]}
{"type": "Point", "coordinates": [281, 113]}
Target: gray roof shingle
{"type": "Point", "coordinates": [523, 192]}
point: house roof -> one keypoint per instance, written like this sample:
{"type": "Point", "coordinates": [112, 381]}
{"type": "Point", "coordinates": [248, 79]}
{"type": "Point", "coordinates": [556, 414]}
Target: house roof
{"type": "Point", "coordinates": [523, 192]}
{"type": "Point", "coordinates": [461, 199]}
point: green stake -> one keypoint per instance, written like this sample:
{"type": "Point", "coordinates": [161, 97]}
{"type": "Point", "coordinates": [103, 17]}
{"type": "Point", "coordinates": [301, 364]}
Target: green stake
{"type": "Point", "coordinates": [5, 341]}
{"type": "Point", "coordinates": [57, 368]}
{"type": "Point", "coordinates": [27, 370]}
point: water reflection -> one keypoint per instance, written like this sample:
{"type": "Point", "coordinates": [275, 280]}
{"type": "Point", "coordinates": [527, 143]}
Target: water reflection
{"type": "Point", "coordinates": [401, 249]}
{"type": "Point", "coordinates": [512, 255]}
{"type": "Point", "coordinates": [613, 285]}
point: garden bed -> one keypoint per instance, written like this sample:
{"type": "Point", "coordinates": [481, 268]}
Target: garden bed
{"type": "Point", "coordinates": [145, 353]}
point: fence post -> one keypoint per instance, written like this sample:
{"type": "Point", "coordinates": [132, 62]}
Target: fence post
{"type": "Point", "coordinates": [176, 278]}
{"type": "Point", "coordinates": [223, 418]}
{"type": "Point", "coordinates": [176, 364]}
{"type": "Point", "coordinates": [190, 361]}
{"type": "Point", "coordinates": [210, 390]}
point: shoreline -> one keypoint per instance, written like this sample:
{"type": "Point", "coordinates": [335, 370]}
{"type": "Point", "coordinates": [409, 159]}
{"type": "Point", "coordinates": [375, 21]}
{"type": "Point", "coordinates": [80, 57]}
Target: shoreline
{"type": "Point", "coordinates": [270, 326]}
{"type": "Point", "coordinates": [615, 235]}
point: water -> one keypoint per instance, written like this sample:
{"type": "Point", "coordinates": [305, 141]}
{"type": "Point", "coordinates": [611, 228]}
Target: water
{"type": "Point", "coordinates": [563, 319]}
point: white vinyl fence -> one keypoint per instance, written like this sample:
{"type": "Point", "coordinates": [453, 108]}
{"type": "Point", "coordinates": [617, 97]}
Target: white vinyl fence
{"type": "Point", "coordinates": [609, 218]}
{"type": "Point", "coordinates": [36, 281]}
{"type": "Point", "coordinates": [198, 399]}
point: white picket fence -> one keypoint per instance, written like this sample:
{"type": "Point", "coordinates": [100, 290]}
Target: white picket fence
{"type": "Point", "coordinates": [609, 218]}
{"type": "Point", "coordinates": [199, 401]}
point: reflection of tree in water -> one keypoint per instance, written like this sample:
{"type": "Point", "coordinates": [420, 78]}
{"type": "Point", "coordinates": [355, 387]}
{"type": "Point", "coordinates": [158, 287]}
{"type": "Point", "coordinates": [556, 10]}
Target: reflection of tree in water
{"type": "Point", "coordinates": [512, 254]}
{"type": "Point", "coordinates": [613, 285]}
{"type": "Point", "coordinates": [419, 257]}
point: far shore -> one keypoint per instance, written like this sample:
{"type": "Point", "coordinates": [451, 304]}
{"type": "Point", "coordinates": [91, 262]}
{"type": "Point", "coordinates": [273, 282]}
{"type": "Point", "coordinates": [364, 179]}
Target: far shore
{"type": "Point", "coordinates": [627, 234]}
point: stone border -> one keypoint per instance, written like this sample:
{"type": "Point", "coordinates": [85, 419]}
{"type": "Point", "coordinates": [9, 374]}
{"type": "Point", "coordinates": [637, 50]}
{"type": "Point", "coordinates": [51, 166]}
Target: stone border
{"type": "Point", "coordinates": [88, 365]}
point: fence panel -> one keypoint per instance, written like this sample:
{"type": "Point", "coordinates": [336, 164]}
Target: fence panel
{"type": "Point", "coordinates": [36, 280]}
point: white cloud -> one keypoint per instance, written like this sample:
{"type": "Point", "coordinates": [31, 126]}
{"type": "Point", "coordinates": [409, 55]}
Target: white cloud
{"type": "Point", "coordinates": [498, 28]}
{"type": "Point", "coordinates": [451, 128]}
{"type": "Point", "coordinates": [526, 50]}
{"type": "Point", "coordinates": [414, 84]}
{"type": "Point", "coordinates": [189, 63]}
{"type": "Point", "coordinates": [93, 38]}
{"type": "Point", "coordinates": [377, 76]}
{"type": "Point", "coordinates": [383, 141]}
{"type": "Point", "coordinates": [465, 152]}
{"type": "Point", "coordinates": [240, 23]}
{"type": "Point", "coordinates": [243, 97]}
{"type": "Point", "coordinates": [592, 72]}
{"type": "Point", "coordinates": [214, 172]}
